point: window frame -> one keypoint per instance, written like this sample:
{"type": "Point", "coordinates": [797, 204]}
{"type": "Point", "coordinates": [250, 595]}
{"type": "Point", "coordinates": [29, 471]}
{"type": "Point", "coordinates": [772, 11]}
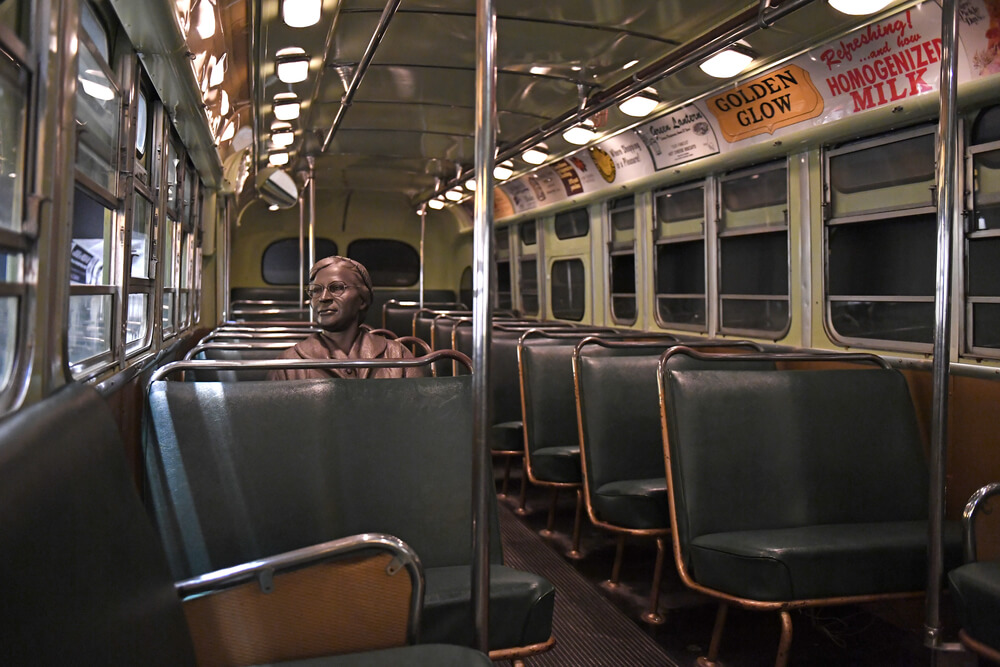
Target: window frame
{"type": "Point", "coordinates": [971, 236]}
{"type": "Point", "coordinates": [660, 239]}
{"type": "Point", "coordinates": [621, 249]}
{"type": "Point", "coordinates": [871, 216]}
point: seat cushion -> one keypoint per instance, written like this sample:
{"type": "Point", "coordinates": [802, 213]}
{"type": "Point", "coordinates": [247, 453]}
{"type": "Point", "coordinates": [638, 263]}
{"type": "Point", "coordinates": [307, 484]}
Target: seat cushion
{"type": "Point", "coordinates": [508, 437]}
{"type": "Point", "coordinates": [557, 464]}
{"type": "Point", "coordinates": [521, 606]}
{"type": "Point", "coordinates": [425, 655]}
{"type": "Point", "coordinates": [976, 587]}
{"type": "Point", "coordinates": [634, 503]}
{"type": "Point", "coordinates": [823, 561]}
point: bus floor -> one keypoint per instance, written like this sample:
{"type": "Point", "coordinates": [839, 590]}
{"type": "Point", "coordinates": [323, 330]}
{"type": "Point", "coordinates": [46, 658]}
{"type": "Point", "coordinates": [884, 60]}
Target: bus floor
{"type": "Point", "coordinates": [596, 626]}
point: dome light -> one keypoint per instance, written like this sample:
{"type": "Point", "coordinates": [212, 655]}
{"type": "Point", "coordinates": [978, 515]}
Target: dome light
{"type": "Point", "coordinates": [641, 104]}
{"type": "Point", "coordinates": [727, 63]}
{"type": "Point", "coordinates": [455, 194]}
{"type": "Point", "coordinates": [292, 64]}
{"type": "Point", "coordinates": [470, 185]}
{"type": "Point", "coordinates": [435, 204]}
{"type": "Point", "coordinates": [278, 159]}
{"type": "Point", "coordinates": [286, 106]}
{"type": "Point", "coordinates": [858, 7]}
{"type": "Point", "coordinates": [537, 154]}
{"type": "Point", "coordinates": [301, 13]}
{"type": "Point", "coordinates": [282, 134]}
{"type": "Point", "coordinates": [581, 133]}
{"type": "Point", "coordinates": [503, 171]}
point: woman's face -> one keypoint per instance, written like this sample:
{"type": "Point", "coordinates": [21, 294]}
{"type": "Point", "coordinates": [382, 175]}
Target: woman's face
{"type": "Point", "coordinates": [340, 297]}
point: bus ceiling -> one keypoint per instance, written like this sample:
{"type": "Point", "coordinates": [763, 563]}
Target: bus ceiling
{"type": "Point", "coordinates": [382, 94]}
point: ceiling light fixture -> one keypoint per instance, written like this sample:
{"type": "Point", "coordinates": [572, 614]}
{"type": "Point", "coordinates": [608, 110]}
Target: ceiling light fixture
{"type": "Point", "coordinates": [858, 7]}
{"type": "Point", "coordinates": [537, 154]}
{"type": "Point", "coordinates": [728, 62]}
{"type": "Point", "coordinates": [503, 171]}
{"type": "Point", "coordinates": [282, 134]}
{"type": "Point", "coordinates": [470, 185]}
{"type": "Point", "coordinates": [278, 159]}
{"type": "Point", "coordinates": [641, 104]}
{"type": "Point", "coordinates": [292, 64]}
{"type": "Point", "coordinates": [286, 106]}
{"type": "Point", "coordinates": [581, 133]}
{"type": "Point", "coordinates": [435, 204]}
{"type": "Point", "coordinates": [455, 194]}
{"type": "Point", "coordinates": [301, 13]}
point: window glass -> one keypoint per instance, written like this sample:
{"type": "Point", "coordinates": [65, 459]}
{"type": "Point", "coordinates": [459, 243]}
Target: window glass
{"type": "Point", "coordinates": [142, 224]}
{"type": "Point", "coordinates": [892, 175]}
{"type": "Point", "coordinates": [680, 257]}
{"type": "Point", "coordinates": [8, 336]}
{"type": "Point", "coordinates": [501, 237]}
{"type": "Point", "coordinates": [572, 224]}
{"type": "Point", "coordinates": [621, 260]}
{"type": "Point", "coordinates": [504, 300]}
{"type": "Point", "coordinates": [982, 280]}
{"type": "Point", "coordinates": [93, 28]}
{"type": "Point", "coordinates": [280, 263]}
{"type": "Point", "coordinates": [390, 263]}
{"type": "Point", "coordinates": [90, 320]}
{"type": "Point", "coordinates": [13, 109]}
{"type": "Point", "coordinates": [568, 289]}
{"type": "Point", "coordinates": [529, 232]}
{"type": "Point", "coordinates": [753, 251]}
{"type": "Point", "coordinates": [135, 319]}
{"type": "Point", "coordinates": [880, 266]}
{"type": "Point", "coordinates": [170, 265]}
{"type": "Point", "coordinates": [621, 211]}
{"type": "Point", "coordinates": [173, 162]}
{"type": "Point", "coordinates": [98, 101]}
{"type": "Point", "coordinates": [11, 13]}
{"type": "Point", "coordinates": [90, 254]}
{"type": "Point", "coordinates": [528, 285]}
{"type": "Point", "coordinates": [142, 129]}
{"type": "Point", "coordinates": [465, 292]}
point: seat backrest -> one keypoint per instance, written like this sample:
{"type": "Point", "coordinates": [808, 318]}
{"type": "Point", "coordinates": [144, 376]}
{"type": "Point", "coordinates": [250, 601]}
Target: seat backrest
{"type": "Point", "coordinates": [83, 576]}
{"type": "Point", "coordinates": [238, 470]}
{"type": "Point", "coordinates": [546, 369]}
{"type": "Point", "coordinates": [398, 316]}
{"type": "Point", "coordinates": [382, 296]}
{"type": "Point", "coordinates": [233, 353]}
{"type": "Point", "coordinates": [795, 447]}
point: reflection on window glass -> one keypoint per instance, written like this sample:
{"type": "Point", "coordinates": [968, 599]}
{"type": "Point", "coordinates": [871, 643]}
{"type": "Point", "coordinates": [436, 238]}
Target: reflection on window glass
{"type": "Point", "coordinates": [135, 319]}
{"type": "Point", "coordinates": [504, 298]}
{"type": "Point", "coordinates": [168, 311]}
{"type": "Point", "coordinates": [94, 30]}
{"type": "Point", "coordinates": [173, 160]}
{"type": "Point", "coordinates": [90, 318]}
{"type": "Point", "coordinates": [754, 200]}
{"type": "Point", "coordinates": [13, 83]}
{"type": "Point", "coordinates": [142, 216]}
{"type": "Point", "coordinates": [568, 289]}
{"type": "Point", "coordinates": [572, 224]}
{"type": "Point", "coordinates": [91, 250]}
{"type": "Point", "coordinates": [10, 16]}
{"type": "Point", "coordinates": [528, 285]}
{"type": "Point", "coordinates": [141, 126]}
{"type": "Point", "coordinates": [11, 267]}
{"type": "Point", "coordinates": [8, 337]}
{"type": "Point", "coordinates": [97, 105]}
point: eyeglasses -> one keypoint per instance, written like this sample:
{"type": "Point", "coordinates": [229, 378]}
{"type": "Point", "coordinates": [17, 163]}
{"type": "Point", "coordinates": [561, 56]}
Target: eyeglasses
{"type": "Point", "coordinates": [335, 288]}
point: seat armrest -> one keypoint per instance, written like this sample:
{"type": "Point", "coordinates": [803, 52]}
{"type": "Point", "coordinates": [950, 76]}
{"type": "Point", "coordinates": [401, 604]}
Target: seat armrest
{"type": "Point", "coordinates": [340, 596]}
{"type": "Point", "coordinates": [969, 518]}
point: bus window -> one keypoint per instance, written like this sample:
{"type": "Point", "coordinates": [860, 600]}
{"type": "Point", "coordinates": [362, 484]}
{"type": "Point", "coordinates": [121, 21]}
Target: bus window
{"type": "Point", "coordinates": [753, 252]}
{"type": "Point", "coordinates": [880, 240]}
{"type": "Point", "coordinates": [504, 296]}
{"type": "Point", "coordinates": [98, 104]}
{"type": "Point", "coordinates": [390, 263]}
{"type": "Point", "coordinates": [568, 289]}
{"type": "Point", "coordinates": [527, 271]}
{"type": "Point", "coordinates": [621, 259]}
{"type": "Point", "coordinates": [280, 262]}
{"type": "Point", "coordinates": [680, 257]}
{"type": "Point", "coordinates": [12, 292]}
{"type": "Point", "coordinates": [572, 224]}
{"type": "Point", "coordinates": [465, 287]}
{"type": "Point", "coordinates": [982, 236]}
{"type": "Point", "coordinates": [92, 292]}
{"type": "Point", "coordinates": [140, 285]}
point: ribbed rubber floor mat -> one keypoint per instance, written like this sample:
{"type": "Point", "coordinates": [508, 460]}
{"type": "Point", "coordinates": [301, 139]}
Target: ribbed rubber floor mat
{"type": "Point", "coordinates": [589, 629]}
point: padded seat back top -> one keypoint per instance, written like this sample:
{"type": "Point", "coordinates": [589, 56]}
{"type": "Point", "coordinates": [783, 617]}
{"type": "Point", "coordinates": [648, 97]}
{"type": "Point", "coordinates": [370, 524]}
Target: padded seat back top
{"type": "Point", "coordinates": [398, 317]}
{"type": "Point", "coordinates": [791, 448]}
{"type": "Point", "coordinates": [234, 354]}
{"type": "Point", "coordinates": [83, 576]}
{"type": "Point", "coordinates": [239, 470]}
{"type": "Point", "coordinates": [431, 296]}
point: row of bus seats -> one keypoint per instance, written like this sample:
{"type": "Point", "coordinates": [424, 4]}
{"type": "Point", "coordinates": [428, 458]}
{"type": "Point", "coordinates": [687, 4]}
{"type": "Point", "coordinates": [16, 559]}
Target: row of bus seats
{"type": "Point", "coordinates": [236, 470]}
{"type": "Point", "coordinates": [274, 304]}
{"type": "Point", "coordinates": [86, 579]}
{"type": "Point", "coordinates": [827, 464]}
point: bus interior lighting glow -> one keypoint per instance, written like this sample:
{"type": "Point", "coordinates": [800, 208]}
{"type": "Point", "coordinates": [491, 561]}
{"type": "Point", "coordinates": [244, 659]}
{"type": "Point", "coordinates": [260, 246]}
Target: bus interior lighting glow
{"type": "Point", "coordinates": [286, 106]}
{"type": "Point", "coordinates": [282, 137]}
{"type": "Point", "coordinates": [727, 63]}
{"type": "Point", "coordinates": [503, 171]}
{"type": "Point", "coordinates": [435, 204]}
{"type": "Point", "coordinates": [455, 194]}
{"type": "Point", "coordinates": [581, 133]}
{"type": "Point", "coordinates": [641, 104]}
{"type": "Point", "coordinates": [278, 159]}
{"type": "Point", "coordinates": [301, 13]}
{"type": "Point", "coordinates": [537, 154]}
{"type": "Point", "coordinates": [858, 7]}
{"type": "Point", "coordinates": [470, 185]}
{"type": "Point", "coordinates": [292, 65]}
{"type": "Point", "coordinates": [228, 132]}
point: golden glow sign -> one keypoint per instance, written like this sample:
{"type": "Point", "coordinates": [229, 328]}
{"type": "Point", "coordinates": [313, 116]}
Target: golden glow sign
{"type": "Point", "coordinates": [782, 97]}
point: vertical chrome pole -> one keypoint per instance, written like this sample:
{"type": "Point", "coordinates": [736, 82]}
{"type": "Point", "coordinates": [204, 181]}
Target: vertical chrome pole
{"type": "Point", "coordinates": [302, 240]}
{"type": "Point", "coordinates": [312, 210]}
{"type": "Point", "coordinates": [482, 313]}
{"type": "Point", "coordinates": [947, 142]}
{"type": "Point", "coordinates": [423, 231]}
